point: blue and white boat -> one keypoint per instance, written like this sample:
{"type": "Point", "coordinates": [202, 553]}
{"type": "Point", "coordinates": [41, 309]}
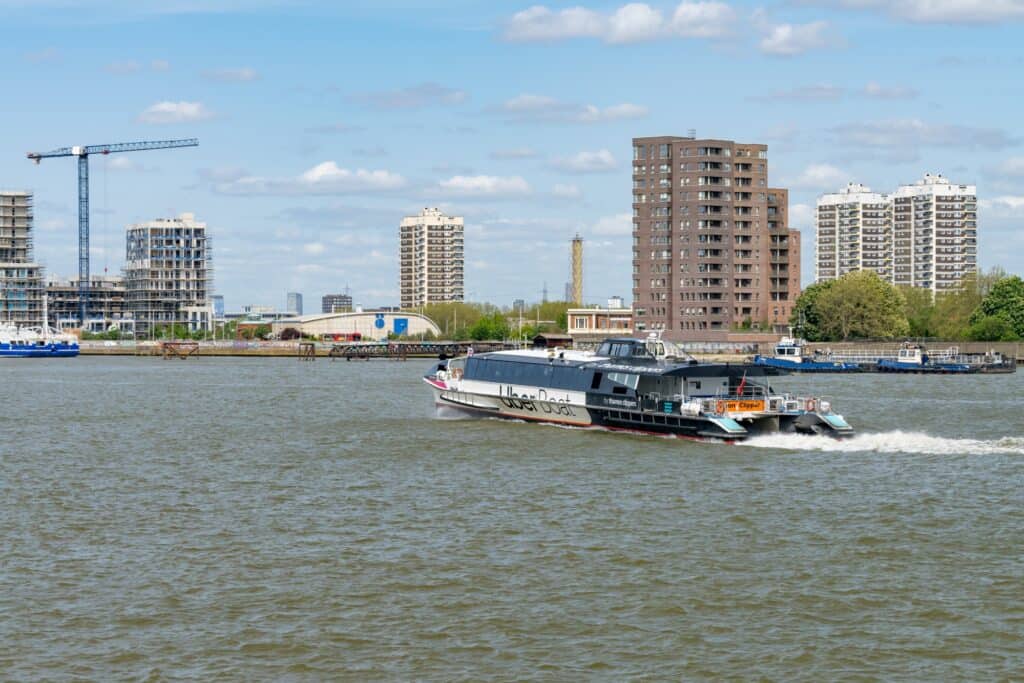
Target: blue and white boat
{"type": "Point", "coordinates": [913, 358]}
{"type": "Point", "coordinates": [789, 355]}
{"type": "Point", "coordinates": [34, 342]}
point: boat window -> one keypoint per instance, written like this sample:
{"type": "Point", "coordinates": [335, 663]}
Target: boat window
{"type": "Point", "coordinates": [624, 378]}
{"type": "Point", "coordinates": [639, 351]}
{"type": "Point", "coordinates": [596, 382]}
{"type": "Point", "coordinates": [605, 349]}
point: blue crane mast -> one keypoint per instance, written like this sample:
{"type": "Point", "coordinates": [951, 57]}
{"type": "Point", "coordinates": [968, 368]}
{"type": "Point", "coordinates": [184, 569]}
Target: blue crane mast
{"type": "Point", "coordinates": [83, 197]}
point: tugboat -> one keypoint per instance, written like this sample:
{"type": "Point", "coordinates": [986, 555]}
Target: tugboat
{"type": "Point", "coordinates": [913, 358]}
{"type": "Point", "coordinates": [642, 385]}
{"type": "Point", "coordinates": [789, 356]}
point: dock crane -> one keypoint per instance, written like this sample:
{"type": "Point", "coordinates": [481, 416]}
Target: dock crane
{"type": "Point", "coordinates": [83, 153]}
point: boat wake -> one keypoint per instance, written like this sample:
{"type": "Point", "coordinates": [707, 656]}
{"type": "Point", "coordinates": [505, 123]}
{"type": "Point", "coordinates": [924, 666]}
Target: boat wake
{"type": "Point", "coordinates": [889, 442]}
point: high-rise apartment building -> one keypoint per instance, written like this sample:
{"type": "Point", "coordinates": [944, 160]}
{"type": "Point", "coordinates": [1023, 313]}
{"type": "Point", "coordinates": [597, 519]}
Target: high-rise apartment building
{"type": "Point", "coordinates": [935, 233]}
{"type": "Point", "coordinates": [168, 274]}
{"type": "Point", "coordinates": [432, 258]}
{"type": "Point", "coordinates": [924, 234]}
{"type": "Point", "coordinates": [21, 279]}
{"type": "Point", "coordinates": [854, 232]}
{"type": "Point", "coordinates": [336, 303]}
{"type": "Point", "coordinates": [712, 248]}
{"type": "Point", "coordinates": [295, 303]}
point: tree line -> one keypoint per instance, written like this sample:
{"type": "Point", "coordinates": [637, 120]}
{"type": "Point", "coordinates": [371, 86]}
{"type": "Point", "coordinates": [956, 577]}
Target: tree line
{"type": "Point", "coordinates": [861, 305]}
{"type": "Point", "coordinates": [460, 321]}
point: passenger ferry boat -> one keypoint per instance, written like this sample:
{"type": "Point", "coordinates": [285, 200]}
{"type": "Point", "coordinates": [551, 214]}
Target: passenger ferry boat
{"type": "Point", "coordinates": [35, 342]}
{"type": "Point", "coordinates": [629, 384]}
{"type": "Point", "coordinates": [789, 355]}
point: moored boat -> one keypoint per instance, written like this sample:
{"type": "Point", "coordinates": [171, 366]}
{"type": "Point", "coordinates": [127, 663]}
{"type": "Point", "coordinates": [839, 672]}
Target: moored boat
{"type": "Point", "coordinates": [629, 384]}
{"type": "Point", "coordinates": [21, 342]}
{"type": "Point", "coordinates": [789, 355]}
{"type": "Point", "coordinates": [913, 358]}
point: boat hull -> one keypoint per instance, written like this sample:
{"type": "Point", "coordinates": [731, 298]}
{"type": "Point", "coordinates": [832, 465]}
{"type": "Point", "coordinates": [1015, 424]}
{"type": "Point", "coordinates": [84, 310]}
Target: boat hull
{"type": "Point", "coordinates": [44, 351]}
{"type": "Point", "coordinates": [806, 365]}
{"type": "Point", "coordinates": [720, 427]}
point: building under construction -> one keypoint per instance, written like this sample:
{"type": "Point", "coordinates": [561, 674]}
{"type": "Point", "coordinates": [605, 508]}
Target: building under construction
{"type": "Point", "coordinates": [106, 303]}
{"type": "Point", "coordinates": [168, 274]}
{"type": "Point", "coordinates": [21, 278]}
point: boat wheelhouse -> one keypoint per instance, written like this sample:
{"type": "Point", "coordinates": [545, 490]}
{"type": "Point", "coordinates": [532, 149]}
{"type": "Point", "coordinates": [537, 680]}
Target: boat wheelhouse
{"type": "Point", "coordinates": [629, 384]}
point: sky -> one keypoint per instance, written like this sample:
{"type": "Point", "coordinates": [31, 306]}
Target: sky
{"type": "Point", "coordinates": [322, 124]}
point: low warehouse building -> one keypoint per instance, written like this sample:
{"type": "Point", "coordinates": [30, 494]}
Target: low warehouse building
{"type": "Point", "coordinates": [365, 325]}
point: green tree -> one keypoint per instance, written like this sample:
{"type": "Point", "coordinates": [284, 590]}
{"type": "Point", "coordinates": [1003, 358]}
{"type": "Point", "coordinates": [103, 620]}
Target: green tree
{"type": "Point", "coordinates": [493, 326]}
{"type": "Point", "coordinates": [991, 328]}
{"type": "Point", "coordinates": [919, 309]}
{"type": "Point", "coordinates": [954, 309]}
{"type": "Point", "coordinates": [806, 320]}
{"type": "Point", "coordinates": [861, 305]}
{"type": "Point", "coordinates": [1005, 300]}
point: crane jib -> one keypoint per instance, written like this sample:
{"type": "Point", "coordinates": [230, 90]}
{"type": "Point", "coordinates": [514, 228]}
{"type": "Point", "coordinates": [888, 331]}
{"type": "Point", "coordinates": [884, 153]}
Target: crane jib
{"type": "Point", "coordinates": [83, 152]}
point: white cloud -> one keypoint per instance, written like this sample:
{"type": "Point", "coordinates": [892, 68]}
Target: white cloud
{"type": "Point", "coordinates": [539, 23]}
{"type": "Point", "coordinates": [241, 75]}
{"type": "Point", "coordinates": [413, 97]}
{"type": "Point", "coordinates": [122, 162]}
{"type": "Point", "coordinates": [882, 92]}
{"type": "Point", "coordinates": [801, 216]}
{"type": "Point", "coordinates": [787, 40]}
{"type": "Point", "coordinates": [620, 224]}
{"type": "Point", "coordinates": [600, 161]}
{"type": "Point", "coordinates": [324, 178]}
{"type": "Point", "coordinates": [633, 23]}
{"type": "Point", "coordinates": [1014, 166]}
{"type": "Point", "coordinates": [560, 191]}
{"type": "Point", "coordinates": [703, 19]}
{"type": "Point", "coordinates": [314, 248]}
{"type": "Point", "coordinates": [485, 186]}
{"type": "Point", "coordinates": [629, 23]}
{"type": "Point", "coordinates": [804, 93]}
{"type": "Point", "coordinates": [944, 11]}
{"type": "Point", "coordinates": [175, 112]}
{"type": "Point", "coordinates": [529, 108]}
{"type": "Point", "coordinates": [818, 177]}
{"type": "Point", "coordinates": [1006, 205]}
{"type": "Point", "coordinates": [914, 133]}
{"type": "Point", "coordinates": [160, 65]}
{"type": "Point", "coordinates": [516, 153]}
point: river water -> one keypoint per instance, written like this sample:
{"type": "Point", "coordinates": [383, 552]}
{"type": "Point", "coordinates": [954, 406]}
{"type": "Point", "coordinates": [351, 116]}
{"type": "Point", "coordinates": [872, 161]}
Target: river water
{"type": "Point", "coordinates": [268, 519]}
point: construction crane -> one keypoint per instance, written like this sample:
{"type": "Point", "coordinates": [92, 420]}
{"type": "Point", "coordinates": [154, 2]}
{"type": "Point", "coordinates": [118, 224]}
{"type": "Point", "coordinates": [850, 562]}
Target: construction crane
{"type": "Point", "coordinates": [83, 197]}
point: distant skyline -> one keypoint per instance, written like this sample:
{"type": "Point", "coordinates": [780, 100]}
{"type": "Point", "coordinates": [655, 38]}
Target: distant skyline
{"type": "Point", "coordinates": [322, 124]}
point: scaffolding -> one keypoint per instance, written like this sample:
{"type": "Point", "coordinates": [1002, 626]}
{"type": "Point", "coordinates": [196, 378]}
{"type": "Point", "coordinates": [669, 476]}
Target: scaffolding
{"type": "Point", "coordinates": [21, 279]}
{"type": "Point", "coordinates": [169, 275]}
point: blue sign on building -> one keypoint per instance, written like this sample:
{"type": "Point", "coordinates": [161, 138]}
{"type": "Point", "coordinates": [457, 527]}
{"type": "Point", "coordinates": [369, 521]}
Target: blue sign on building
{"type": "Point", "coordinates": [379, 321]}
{"type": "Point", "coordinates": [401, 326]}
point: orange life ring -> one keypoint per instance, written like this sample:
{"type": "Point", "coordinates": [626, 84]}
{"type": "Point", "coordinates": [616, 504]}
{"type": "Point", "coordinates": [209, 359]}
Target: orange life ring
{"type": "Point", "coordinates": [457, 373]}
{"type": "Point", "coordinates": [811, 405]}
{"type": "Point", "coordinates": [720, 407]}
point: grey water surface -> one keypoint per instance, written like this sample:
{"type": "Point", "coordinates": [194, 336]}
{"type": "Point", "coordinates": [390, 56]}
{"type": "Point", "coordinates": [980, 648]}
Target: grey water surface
{"type": "Point", "coordinates": [267, 519]}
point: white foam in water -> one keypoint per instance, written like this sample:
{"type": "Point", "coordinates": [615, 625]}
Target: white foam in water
{"type": "Point", "coordinates": [888, 442]}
